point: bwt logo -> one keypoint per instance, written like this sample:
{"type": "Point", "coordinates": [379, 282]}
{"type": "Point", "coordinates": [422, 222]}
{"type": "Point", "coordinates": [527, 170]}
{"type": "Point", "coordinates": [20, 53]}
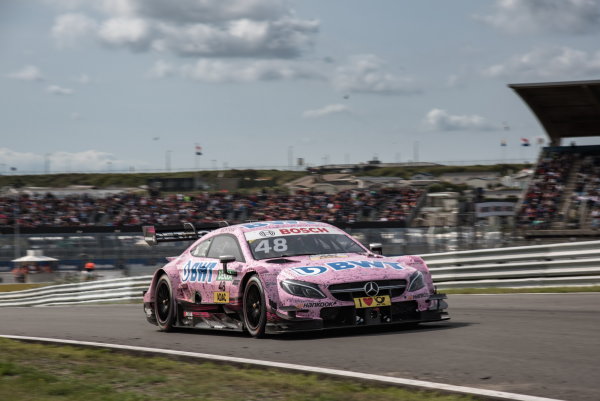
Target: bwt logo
{"type": "Point", "coordinates": [198, 272]}
{"type": "Point", "coordinates": [268, 233]}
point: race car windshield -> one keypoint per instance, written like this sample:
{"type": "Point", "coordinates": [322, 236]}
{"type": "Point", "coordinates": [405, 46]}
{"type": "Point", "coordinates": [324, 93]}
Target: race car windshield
{"type": "Point", "coordinates": [296, 245]}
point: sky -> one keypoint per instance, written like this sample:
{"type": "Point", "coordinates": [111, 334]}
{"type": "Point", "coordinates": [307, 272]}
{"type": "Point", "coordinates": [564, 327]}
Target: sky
{"type": "Point", "coordinates": [137, 85]}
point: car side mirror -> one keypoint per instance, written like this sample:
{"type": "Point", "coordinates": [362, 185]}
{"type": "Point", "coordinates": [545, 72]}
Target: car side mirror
{"type": "Point", "coordinates": [376, 248]}
{"type": "Point", "coordinates": [227, 259]}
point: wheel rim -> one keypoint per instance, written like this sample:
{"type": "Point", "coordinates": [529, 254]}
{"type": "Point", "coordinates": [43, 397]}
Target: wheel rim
{"type": "Point", "coordinates": [253, 306]}
{"type": "Point", "coordinates": [163, 302]}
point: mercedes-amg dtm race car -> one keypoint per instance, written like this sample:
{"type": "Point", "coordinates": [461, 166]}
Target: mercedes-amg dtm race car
{"type": "Point", "coordinates": [277, 276]}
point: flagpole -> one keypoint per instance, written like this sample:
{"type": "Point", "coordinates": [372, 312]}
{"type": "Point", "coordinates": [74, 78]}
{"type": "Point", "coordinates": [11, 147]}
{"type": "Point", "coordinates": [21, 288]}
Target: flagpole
{"type": "Point", "coordinates": [196, 167]}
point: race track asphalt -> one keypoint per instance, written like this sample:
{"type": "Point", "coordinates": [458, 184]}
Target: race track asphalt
{"type": "Point", "coordinates": [540, 344]}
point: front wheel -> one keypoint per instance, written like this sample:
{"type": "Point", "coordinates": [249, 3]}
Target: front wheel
{"type": "Point", "coordinates": [164, 304]}
{"type": "Point", "coordinates": [255, 310]}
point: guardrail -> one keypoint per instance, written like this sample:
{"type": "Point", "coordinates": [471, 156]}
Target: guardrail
{"type": "Point", "coordinates": [116, 290]}
{"type": "Point", "coordinates": [557, 265]}
{"type": "Point", "coordinates": [553, 265]}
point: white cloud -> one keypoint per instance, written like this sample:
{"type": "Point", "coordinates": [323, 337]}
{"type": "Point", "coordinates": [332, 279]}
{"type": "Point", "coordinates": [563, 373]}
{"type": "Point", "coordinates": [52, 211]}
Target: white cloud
{"type": "Point", "coordinates": [68, 29]}
{"type": "Point", "coordinates": [549, 63]}
{"type": "Point", "coordinates": [194, 11]}
{"type": "Point", "coordinates": [225, 28]}
{"type": "Point", "coordinates": [326, 110]}
{"type": "Point", "coordinates": [84, 161]}
{"type": "Point", "coordinates": [566, 16]}
{"type": "Point", "coordinates": [215, 71]}
{"type": "Point", "coordinates": [441, 120]}
{"type": "Point", "coordinates": [366, 74]}
{"type": "Point", "coordinates": [134, 33]}
{"type": "Point", "coordinates": [59, 90]}
{"type": "Point", "coordinates": [27, 73]}
{"type": "Point", "coordinates": [283, 38]}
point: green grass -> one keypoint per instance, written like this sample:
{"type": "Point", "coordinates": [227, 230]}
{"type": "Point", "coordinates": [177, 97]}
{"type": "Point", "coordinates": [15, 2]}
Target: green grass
{"type": "Point", "coordinates": [406, 172]}
{"type": "Point", "coordinates": [46, 372]}
{"type": "Point", "coordinates": [19, 287]}
{"type": "Point", "coordinates": [565, 290]}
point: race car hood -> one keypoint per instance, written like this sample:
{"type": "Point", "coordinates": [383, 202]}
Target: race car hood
{"type": "Point", "coordinates": [333, 269]}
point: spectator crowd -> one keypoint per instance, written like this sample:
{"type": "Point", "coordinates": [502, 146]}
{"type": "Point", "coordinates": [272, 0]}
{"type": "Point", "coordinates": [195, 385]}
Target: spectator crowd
{"type": "Point", "coordinates": [585, 200]}
{"type": "Point", "coordinates": [541, 201]}
{"type": "Point", "coordinates": [45, 210]}
{"type": "Point", "coordinates": [547, 192]}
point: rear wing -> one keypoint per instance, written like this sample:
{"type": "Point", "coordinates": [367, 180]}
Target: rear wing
{"type": "Point", "coordinates": [153, 235]}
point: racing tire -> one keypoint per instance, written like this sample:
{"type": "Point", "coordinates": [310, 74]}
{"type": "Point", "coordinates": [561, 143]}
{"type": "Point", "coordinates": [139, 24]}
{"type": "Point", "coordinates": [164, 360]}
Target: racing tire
{"type": "Point", "coordinates": [255, 308]}
{"type": "Point", "coordinates": [164, 304]}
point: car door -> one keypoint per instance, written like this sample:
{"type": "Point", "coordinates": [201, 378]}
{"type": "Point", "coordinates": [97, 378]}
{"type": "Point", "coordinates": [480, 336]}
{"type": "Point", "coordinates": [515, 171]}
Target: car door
{"type": "Point", "coordinates": [223, 287]}
{"type": "Point", "coordinates": [197, 274]}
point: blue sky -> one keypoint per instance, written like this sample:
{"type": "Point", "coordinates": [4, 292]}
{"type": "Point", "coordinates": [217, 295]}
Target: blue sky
{"type": "Point", "coordinates": [122, 85]}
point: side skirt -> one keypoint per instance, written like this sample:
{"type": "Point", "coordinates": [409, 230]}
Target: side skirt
{"type": "Point", "coordinates": [207, 316]}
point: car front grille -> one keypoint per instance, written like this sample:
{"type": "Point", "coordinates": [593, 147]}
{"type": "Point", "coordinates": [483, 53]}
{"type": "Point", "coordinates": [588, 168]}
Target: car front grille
{"type": "Point", "coordinates": [349, 291]}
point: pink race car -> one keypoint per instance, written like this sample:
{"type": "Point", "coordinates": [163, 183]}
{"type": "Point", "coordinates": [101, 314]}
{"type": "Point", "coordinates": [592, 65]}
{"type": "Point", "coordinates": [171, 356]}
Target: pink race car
{"type": "Point", "coordinates": [278, 276]}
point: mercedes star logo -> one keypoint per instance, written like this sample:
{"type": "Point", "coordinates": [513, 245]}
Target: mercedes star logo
{"type": "Point", "coordinates": [371, 288]}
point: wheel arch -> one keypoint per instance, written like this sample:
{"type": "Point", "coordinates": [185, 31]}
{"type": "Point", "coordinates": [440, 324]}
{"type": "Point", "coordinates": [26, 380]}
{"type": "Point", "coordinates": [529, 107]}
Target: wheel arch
{"type": "Point", "coordinates": [157, 275]}
{"type": "Point", "coordinates": [246, 278]}
{"type": "Point", "coordinates": [417, 263]}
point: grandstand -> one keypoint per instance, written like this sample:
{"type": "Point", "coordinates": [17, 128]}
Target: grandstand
{"type": "Point", "coordinates": [563, 196]}
{"type": "Point", "coordinates": [43, 210]}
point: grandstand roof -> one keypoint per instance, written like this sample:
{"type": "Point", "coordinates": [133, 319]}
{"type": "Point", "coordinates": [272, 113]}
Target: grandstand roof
{"type": "Point", "coordinates": [565, 109]}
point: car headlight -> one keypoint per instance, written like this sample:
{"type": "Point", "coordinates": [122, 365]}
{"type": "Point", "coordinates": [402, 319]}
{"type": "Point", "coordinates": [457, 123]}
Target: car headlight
{"type": "Point", "coordinates": [302, 289]}
{"type": "Point", "coordinates": [416, 281]}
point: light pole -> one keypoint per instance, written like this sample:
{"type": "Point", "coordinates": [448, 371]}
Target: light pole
{"type": "Point", "coordinates": [197, 154]}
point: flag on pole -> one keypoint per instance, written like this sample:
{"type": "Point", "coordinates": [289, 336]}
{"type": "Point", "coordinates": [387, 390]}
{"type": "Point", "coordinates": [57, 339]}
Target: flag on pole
{"type": "Point", "coordinates": [198, 150]}
{"type": "Point", "coordinates": [525, 142]}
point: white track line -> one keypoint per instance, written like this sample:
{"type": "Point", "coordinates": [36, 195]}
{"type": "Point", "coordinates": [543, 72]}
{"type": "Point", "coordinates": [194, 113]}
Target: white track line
{"type": "Point", "coordinates": [419, 384]}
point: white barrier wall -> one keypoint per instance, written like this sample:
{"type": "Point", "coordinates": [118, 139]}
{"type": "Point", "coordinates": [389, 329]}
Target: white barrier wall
{"type": "Point", "coordinates": [86, 292]}
{"type": "Point", "coordinates": [553, 265]}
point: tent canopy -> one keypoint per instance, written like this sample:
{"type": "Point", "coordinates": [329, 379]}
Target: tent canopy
{"type": "Point", "coordinates": [33, 256]}
{"type": "Point", "coordinates": [565, 109]}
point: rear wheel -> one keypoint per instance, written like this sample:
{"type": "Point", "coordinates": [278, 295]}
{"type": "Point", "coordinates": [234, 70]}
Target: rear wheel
{"type": "Point", "coordinates": [255, 310]}
{"type": "Point", "coordinates": [164, 304]}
